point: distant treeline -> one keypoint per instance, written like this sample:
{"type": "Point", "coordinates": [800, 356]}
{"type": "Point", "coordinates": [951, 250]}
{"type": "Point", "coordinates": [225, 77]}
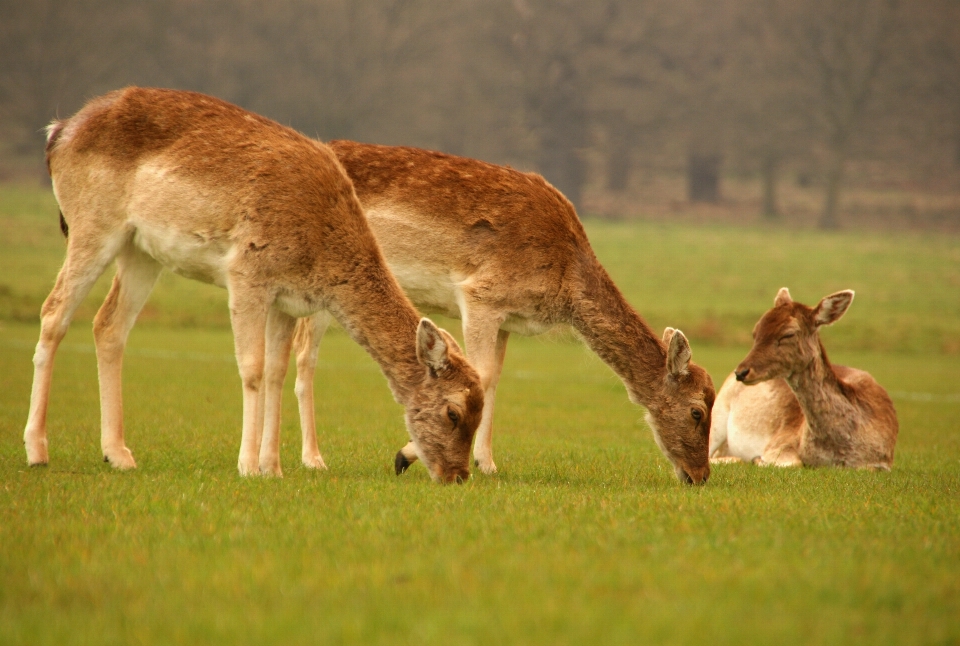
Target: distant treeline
{"type": "Point", "coordinates": [579, 91]}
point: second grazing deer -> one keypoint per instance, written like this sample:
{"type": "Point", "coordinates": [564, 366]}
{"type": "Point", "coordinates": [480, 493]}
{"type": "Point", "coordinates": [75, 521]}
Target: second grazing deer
{"type": "Point", "coordinates": [505, 252]}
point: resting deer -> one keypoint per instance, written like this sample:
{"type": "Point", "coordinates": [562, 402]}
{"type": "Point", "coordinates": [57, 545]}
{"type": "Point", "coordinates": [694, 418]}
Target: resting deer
{"type": "Point", "coordinates": [161, 178]}
{"type": "Point", "coordinates": [786, 405]}
{"type": "Point", "coordinates": [505, 252]}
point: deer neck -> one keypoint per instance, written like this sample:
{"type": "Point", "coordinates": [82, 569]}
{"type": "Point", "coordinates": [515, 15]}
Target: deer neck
{"type": "Point", "coordinates": [382, 321]}
{"type": "Point", "coordinates": [619, 336]}
{"type": "Point", "coordinates": [829, 414]}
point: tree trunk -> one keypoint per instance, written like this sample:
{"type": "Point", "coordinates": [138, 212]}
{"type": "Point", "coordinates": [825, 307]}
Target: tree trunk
{"type": "Point", "coordinates": [956, 150]}
{"type": "Point", "coordinates": [561, 144]}
{"type": "Point", "coordinates": [703, 177]}
{"type": "Point", "coordinates": [562, 165]}
{"type": "Point", "coordinates": [769, 167]}
{"type": "Point", "coordinates": [618, 155]}
{"type": "Point", "coordinates": [831, 199]}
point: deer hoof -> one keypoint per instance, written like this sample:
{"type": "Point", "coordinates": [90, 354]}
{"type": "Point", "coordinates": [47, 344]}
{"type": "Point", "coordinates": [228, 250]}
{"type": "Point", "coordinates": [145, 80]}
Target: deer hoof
{"type": "Point", "coordinates": [121, 459]}
{"type": "Point", "coordinates": [271, 470]}
{"type": "Point", "coordinates": [36, 452]}
{"type": "Point", "coordinates": [487, 467]}
{"type": "Point", "coordinates": [248, 470]}
{"type": "Point", "coordinates": [314, 462]}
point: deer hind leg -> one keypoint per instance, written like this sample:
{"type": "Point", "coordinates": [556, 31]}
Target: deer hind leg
{"type": "Point", "coordinates": [136, 275]}
{"type": "Point", "coordinates": [486, 348]}
{"type": "Point", "coordinates": [719, 451]}
{"type": "Point", "coordinates": [718, 429]}
{"type": "Point", "coordinates": [279, 337]}
{"type": "Point", "coordinates": [307, 338]}
{"type": "Point", "coordinates": [81, 269]}
{"type": "Point", "coordinates": [783, 450]}
{"type": "Point", "coordinates": [248, 317]}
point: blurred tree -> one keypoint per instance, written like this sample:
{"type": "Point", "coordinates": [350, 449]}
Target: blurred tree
{"type": "Point", "coordinates": [633, 101]}
{"type": "Point", "coordinates": [546, 43]}
{"type": "Point", "coordinates": [57, 55]}
{"type": "Point", "coordinates": [936, 37]}
{"type": "Point", "coordinates": [586, 93]}
{"type": "Point", "coordinates": [702, 52]}
{"type": "Point", "coordinates": [841, 46]}
{"type": "Point", "coordinates": [767, 103]}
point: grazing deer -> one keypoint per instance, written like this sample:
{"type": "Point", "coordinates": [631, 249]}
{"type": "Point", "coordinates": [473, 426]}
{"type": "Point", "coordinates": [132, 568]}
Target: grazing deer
{"type": "Point", "coordinates": [505, 252]}
{"type": "Point", "coordinates": [786, 405]}
{"type": "Point", "coordinates": [161, 178]}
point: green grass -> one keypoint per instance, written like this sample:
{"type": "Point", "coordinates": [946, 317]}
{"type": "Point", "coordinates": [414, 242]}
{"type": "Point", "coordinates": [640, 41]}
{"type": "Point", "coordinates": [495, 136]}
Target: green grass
{"type": "Point", "coordinates": [584, 537]}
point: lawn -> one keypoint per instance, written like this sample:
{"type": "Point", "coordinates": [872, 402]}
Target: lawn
{"type": "Point", "coordinates": [585, 536]}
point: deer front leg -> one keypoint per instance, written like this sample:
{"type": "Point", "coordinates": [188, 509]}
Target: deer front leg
{"type": "Point", "coordinates": [486, 346]}
{"type": "Point", "coordinates": [136, 275]}
{"type": "Point", "coordinates": [279, 337]}
{"type": "Point", "coordinates": [248, 317]}
{"type": "Point", "coordinates": [725, 459]}
{"type": "Point", "coordinates": [307, 338]}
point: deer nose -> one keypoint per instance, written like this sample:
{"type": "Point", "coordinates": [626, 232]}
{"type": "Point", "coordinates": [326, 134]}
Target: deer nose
{"type": "Point", "coordinates": [697, 477]}
{"type": "Point", "coordinates": [457, 476]}
{"type": "Point", "coordinates": [742, 373]}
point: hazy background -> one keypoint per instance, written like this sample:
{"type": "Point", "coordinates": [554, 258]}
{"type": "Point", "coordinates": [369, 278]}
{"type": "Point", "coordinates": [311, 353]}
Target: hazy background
{"type": "Point", "coordinates": [817, 112]}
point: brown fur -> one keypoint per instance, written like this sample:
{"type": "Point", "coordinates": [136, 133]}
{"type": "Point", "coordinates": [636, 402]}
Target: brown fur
{"type": "Point", "coordinates": [786, 404]}
{"type": "Point", "coordinates": [161, 178]}
{"type": "Point", "coordinates": [505, 251]}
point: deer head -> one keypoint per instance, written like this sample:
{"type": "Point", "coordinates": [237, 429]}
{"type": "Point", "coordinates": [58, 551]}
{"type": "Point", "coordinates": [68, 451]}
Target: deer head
{"type": "Point", "coordinates": [680, 416]}
{"type": "Point", "coordinates": [786, 339]}
{"type": "Point", "coordinates": [445, 410]}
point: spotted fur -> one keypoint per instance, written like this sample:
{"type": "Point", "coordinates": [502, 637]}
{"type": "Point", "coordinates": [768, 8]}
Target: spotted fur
{"type": "Point", "coordinates": [505, 252]}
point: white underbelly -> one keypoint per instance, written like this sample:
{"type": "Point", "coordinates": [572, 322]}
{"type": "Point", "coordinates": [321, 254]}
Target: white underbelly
{"type": "Point", "coordinates": [297, 305]}
{"type": "Point", "coordinates": [430, 290]}
{"type": "Point", "coordinates": [744, 442]}
{"type": "Point", "coordinates": [180, 223]}
{"type": "Point", "coordinates": [524, 326]}
{"type": "Point", "coordinates": [436, 291]}
{"type": "Point", "coordinates": [189, 255]}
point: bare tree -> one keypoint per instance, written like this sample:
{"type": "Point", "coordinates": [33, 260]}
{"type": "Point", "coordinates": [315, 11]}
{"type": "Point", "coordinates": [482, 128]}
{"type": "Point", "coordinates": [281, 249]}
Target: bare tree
{"type": "Point", "coordinates": [767, 107]}
{"type": "Point", "coordinates": [546, 41]}
{"type": "Point", "coordinates": [670, 85]}
{"type": "Point", "coordinates": [55, 55]}
{"type": "Point", "coordinates": [936, 37]}
{"type": "Point", "coordinates": [843, 45]}
{"type": "Point", "coordinates": [634, 98]}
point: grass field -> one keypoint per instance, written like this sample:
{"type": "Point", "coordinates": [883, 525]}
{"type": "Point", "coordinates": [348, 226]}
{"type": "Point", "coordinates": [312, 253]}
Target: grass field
{"type": "Point", "coordinates": [584, 537]}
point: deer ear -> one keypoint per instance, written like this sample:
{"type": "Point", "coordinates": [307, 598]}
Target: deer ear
{"type": "Point", "coordinates": [783, 297]}
{"type": "Point", "coordinates": [431, 347]}
{"type": "Point", "coordinates": [832, 307]}
{"type": "Point", "coordinates": [678, 354]}
{"type": "Point", "coordinates": [667, 335]}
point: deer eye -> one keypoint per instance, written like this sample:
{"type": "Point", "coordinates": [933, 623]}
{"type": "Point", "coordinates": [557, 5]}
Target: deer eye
{"type": "Point", "coordinates": [789, 335]}
{"type": "Point", "coordinates": [454, 417]}
{"type": "Point", "coordinates": [697, 415]}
